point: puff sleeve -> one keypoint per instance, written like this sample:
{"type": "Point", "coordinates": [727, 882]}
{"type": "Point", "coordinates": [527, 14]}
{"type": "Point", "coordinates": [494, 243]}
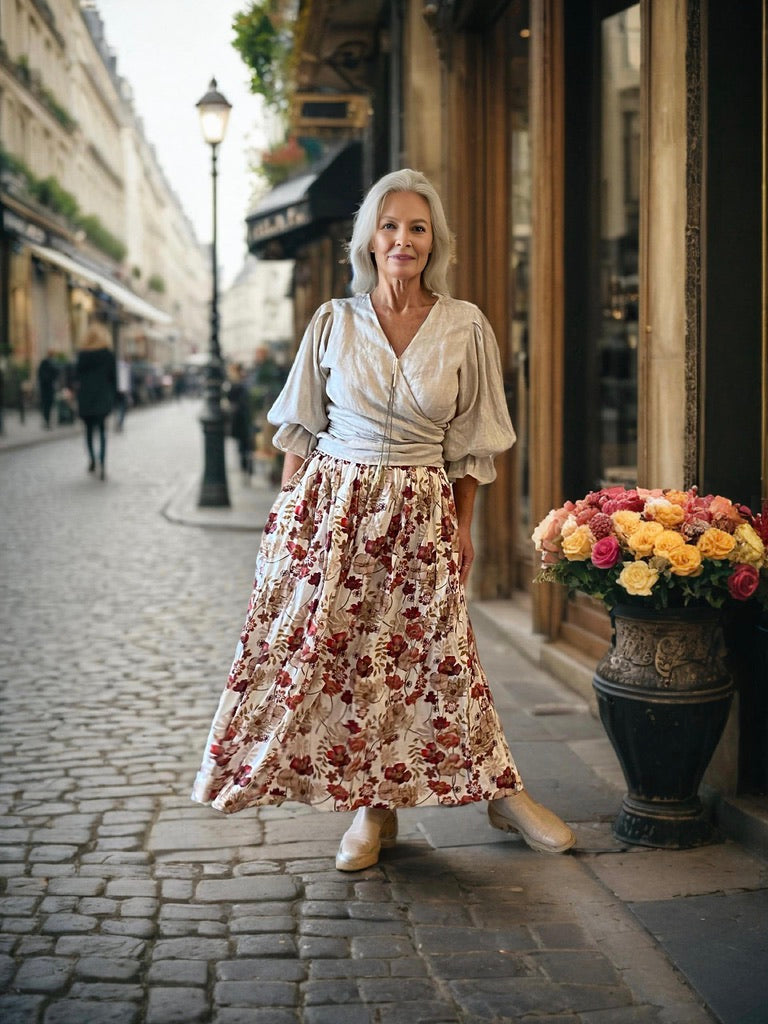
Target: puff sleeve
{"type": "Point", "coordinates": [481, 427]}
{"type": "Point", "coordinates": [299, 410]}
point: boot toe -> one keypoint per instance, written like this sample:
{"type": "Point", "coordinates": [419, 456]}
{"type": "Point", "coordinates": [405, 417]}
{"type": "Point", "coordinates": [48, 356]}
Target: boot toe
{"type": "Point", "coordinates": [541, 829]}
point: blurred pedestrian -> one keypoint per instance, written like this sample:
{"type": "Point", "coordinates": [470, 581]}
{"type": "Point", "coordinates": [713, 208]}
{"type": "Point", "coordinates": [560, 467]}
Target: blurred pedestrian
{"type": "Point", "coordinates": [123, 392]}
{"type": "Point", "coordinates": [47, 377]}
{"type": "Point", "coordinates": [96, 378]}
{"type": "Point", "coordinates": [356, 684]}
{"type": "Point", "coordinates": [241, 427]}
{"type": "Point", "coordinates": [267, 377]}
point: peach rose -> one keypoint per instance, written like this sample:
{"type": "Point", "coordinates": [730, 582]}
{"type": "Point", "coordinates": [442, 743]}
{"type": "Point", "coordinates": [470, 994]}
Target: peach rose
{"type": "Point", "coordinates": [680, 498]}
{"type": "Point", "coordinates": [685, 561]}
{"type": "Point", "coordinates": [714, 543]}
{"type": "Point", "coordinates": [577, 546]}
{"type": "Point", "coordinates": [641, 542]}
{"type": "Point", "coordinates": [638, 578]}
{"type": "Point", "coordinates": [722, 508]}
{"type": "Point", "coordinates": [625, 523]}
{"type": "Point", "coordinates": [748, 549]}
{"type": "Point", "coordinates": [665, 512]}
{"type": "Point", "coordinates": [667, 541]}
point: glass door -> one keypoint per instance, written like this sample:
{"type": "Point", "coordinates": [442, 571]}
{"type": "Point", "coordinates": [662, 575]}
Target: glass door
{"type": "Point", "coordinates": [615, 356]}
{"type": "Point", "coordinates": [519, 271]}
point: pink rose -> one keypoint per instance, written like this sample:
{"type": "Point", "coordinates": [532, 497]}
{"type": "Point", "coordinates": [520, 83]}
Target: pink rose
{"type": "Point", "coordinates": [547, 535]}
{"type": "Point", "coordinates": [743, 582]}
{"type": "Point", "coordinates": [606, 553]}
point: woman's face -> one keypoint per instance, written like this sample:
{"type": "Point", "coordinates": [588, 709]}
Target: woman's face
{"type": "Point", "coordinates": [403, 239]}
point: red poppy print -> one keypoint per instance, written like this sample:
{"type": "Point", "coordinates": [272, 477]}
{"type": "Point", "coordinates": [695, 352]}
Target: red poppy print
{"type": "Point", "coordinates": [356, 680]}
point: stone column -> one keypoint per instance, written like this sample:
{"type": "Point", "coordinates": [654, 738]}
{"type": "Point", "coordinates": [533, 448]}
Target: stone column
{"type": "Point", "coordinates": [663, 265]}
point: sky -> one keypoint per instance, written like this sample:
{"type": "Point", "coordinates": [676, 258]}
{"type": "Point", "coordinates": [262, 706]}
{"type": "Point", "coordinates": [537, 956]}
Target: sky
{"type": "Point", "coordinates": [168, 50]}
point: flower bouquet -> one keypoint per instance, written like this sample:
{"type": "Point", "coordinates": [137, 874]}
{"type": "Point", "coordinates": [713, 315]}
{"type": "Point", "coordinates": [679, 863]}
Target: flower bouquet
{"type": "Point", "coordinates": [656, 548]}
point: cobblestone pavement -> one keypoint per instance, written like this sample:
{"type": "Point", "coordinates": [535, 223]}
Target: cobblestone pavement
{"type": "Point", "coordinates": [123, 902]}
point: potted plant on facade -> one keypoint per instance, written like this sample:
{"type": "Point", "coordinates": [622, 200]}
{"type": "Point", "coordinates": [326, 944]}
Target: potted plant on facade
{"type": "Point", "coordinates": [666, 563]}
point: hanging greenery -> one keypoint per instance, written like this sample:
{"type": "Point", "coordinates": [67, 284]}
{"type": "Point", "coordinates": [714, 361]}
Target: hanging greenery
{"type": "Point", "coordinates": [265, 39]}
{"type": "Point", "coordinates": [50, 194]}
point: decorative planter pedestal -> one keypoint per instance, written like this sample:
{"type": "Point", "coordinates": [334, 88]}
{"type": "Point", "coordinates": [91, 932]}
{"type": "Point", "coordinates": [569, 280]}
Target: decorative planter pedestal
{"type": "Point", "coordinates": [664, 692]}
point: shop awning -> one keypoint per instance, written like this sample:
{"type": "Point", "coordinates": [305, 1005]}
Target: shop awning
{"type": "Point", "coordinates": [297, 210]}
{"type": "Point", "coordinates": [123, 296]}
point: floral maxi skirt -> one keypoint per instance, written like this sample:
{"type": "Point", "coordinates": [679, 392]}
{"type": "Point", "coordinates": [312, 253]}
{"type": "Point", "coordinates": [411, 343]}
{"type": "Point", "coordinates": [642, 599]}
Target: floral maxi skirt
{"type": "Point", "coordinates": [356, 681]}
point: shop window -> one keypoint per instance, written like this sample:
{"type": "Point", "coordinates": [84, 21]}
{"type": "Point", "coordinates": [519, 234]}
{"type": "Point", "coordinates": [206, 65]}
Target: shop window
{"type": "Point", "coordinates": [520, 256]}
{"type": "Point", "coordinates": [616, 326]}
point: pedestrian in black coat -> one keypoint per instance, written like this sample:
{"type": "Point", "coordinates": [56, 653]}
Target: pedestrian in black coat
{"type": "Point", "coordinates": [47, 375]}
{"type": "Point", "coordinates": [242, 417]}
{"type": "Point", "coordinates": [96, 377]}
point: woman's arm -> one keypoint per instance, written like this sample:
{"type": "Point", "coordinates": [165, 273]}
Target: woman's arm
{"type": "Point", "coordinates": [464, 491]}
{"type": "Point", "coordinates": [291, 464]}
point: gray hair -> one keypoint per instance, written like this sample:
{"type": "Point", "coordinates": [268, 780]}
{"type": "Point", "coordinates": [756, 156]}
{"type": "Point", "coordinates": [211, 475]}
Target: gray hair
{"type": "Point", "coordinates": [364, 272]}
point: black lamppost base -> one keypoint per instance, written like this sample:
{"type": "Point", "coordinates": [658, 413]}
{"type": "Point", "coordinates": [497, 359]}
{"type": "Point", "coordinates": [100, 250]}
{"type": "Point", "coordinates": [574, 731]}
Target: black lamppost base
{"type": "Point", "coordinates": [214, 492]}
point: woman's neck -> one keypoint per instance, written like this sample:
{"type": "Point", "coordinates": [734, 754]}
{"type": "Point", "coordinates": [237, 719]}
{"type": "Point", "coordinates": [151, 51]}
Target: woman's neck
{"type": "Point", "coordinates": [401, 296]}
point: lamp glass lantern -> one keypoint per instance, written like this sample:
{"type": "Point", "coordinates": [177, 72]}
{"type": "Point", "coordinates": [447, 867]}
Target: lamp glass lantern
{"type": "Point", "coordinates": [214, 111]}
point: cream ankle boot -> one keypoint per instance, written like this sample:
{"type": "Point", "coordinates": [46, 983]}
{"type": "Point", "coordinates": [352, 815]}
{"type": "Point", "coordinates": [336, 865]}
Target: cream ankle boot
{"type": "Point", "coordinates": [540, 828]}
{"type": "Point", "coordinates": [374, 828]}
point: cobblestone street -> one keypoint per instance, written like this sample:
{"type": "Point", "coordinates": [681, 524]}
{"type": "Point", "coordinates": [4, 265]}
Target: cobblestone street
{"type": "Point", "coordinates": [123, 902]}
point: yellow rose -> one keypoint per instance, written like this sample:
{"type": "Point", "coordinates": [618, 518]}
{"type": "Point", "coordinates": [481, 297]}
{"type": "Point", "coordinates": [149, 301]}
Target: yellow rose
{"type": "Point", "coordinates": [626, 523]}
{"type": "Point", "coordinates": [667, 541]}
{"type": "Point", "coordinates": [638, 578]}
{"type": "Point", "coordinates": [715, 543]}
{"type": "Point", "coordinates": [748, 547]}
{"type": "Point", "coordinates": [577, 546]}
{"type": "Point", "coordinates": [644, 538]}
{"type": "Point", "coordinates": [665, 512]}
{"type": "Point", "coordinates": [685, 561]}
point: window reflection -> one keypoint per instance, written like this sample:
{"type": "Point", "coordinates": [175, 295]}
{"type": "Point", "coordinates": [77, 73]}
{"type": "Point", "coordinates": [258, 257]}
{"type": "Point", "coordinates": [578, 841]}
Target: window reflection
{"type": "Point", "coordinates": [519, 269]}
{"type": "Point", "coordinates": [619, 203]}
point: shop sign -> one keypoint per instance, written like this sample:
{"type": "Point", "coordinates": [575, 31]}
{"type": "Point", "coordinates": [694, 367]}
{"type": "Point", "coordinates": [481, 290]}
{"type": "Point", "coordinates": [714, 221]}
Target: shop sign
{"type": "Point", "coordinates": [12, 222]}
{"type": "Point", "coordinates": [278, 223]}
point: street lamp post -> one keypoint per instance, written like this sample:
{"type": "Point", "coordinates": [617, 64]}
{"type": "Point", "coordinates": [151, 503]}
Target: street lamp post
{"type": "Point", "coordinates": [214, 114]}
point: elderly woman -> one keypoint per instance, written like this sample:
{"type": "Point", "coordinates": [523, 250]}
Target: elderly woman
{"type": "Point", "coordinates": [356, 685]}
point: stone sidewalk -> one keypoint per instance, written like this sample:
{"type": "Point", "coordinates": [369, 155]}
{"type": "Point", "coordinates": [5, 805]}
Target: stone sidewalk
{"type": "Point", "coordinates": [122, 902]}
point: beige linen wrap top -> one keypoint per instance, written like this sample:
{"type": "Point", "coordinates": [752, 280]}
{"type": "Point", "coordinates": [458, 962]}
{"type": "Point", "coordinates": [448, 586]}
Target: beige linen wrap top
{"type": "Point", "coordinates": [441, 403]}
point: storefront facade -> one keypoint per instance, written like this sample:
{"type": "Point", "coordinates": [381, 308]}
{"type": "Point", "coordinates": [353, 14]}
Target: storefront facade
{"type": "Point", "coordinates": [604, 165]}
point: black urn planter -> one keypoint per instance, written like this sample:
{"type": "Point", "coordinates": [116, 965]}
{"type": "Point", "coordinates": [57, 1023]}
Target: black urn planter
{"type": "Point", "coordinates": [664, 692]}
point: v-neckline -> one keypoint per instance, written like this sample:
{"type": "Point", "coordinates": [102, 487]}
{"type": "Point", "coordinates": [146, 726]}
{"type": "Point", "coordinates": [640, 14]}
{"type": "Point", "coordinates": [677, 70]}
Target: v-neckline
{"type": "Point", "coordinates": [416, 333]}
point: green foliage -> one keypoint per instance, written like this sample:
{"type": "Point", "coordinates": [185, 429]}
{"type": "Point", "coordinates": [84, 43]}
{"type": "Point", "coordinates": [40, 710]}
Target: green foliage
{"type": "Point", "coordinates": [101, 237]}
{"type": "Point", "coordinates": [264, 40]}
{"type": "Point", "coordinates": [62, 115]}
{"type": "Point", "coordinates": [49, 192]}
{"type": "Point", "coordinates": [12, 164]}
{"type": "Point", "coordinates": [156, 284]}
{"type": "Point", "coordinates": [23, 70]}
{"type": "Point", "coordinates": [709, 589]}
{"type": "Point", "coordinates": [33, 82]}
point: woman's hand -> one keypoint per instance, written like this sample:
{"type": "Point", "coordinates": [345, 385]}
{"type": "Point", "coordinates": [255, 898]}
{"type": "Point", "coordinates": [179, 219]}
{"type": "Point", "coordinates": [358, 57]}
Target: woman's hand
{"type": "Point", "coordinates": [466, 553]}
{"type": "Point", "coordinates": [464, 491]}
{"type": "Point", "coordinates": [291, 464]}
